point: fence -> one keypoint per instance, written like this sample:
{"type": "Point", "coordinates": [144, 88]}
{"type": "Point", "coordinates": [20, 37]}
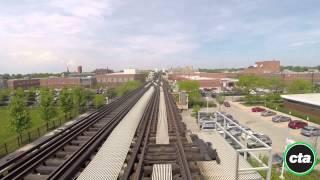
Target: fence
{"type": "Point", "coordinates": [18, 141]}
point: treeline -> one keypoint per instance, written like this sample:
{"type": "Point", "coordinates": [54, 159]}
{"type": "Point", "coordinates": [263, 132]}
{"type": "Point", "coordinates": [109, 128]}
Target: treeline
{"type": "Point", "coordinates": [33, 75]}
{"type": "Point", "coordinates": [248, 82]}
{"type": "Point", "coordinates": [299, 68]}
{"type": "Point", "coordinates": [220, 70]}
{"type": "Point", "coordinates": [70, 102]}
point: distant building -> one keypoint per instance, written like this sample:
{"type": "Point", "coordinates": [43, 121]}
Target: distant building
{"type": "Point", "coordinates": [263, 67]}
{"type": "Point", "coordinates": [79, 69]}
{"type": "Point", "coordinates": [23, 83]}
{"type": "Point", "coordinates": [102, 71]}
{"type": "Point", "coordinates": [115, 79]}
{"type": "Point", "coordinates": [308, 104]}
{"type": "Point", "coordinates": [61, 82]}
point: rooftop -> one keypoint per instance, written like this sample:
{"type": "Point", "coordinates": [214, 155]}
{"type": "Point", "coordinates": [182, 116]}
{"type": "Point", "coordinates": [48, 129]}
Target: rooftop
{"type": "Point", "coordinates": [312, 98]}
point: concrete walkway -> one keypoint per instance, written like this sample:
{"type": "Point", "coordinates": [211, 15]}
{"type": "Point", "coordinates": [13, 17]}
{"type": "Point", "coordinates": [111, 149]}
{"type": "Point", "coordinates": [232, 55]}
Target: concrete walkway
{"type": "Point", "coordinates": [211, 170]}
{"type": "Point", "coordinates": [162, 126]}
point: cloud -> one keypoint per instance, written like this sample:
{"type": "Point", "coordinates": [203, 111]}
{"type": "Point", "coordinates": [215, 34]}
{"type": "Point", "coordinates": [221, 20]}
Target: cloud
{"type": "Point", "coordinates": [119, 33]}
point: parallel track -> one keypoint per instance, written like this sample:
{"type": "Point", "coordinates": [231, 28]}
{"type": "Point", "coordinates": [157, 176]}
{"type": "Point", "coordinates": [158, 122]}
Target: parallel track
{"type": "Point", "coordinates": [179, 153]}
{"type": "Point", "coordinates": [61, 156]}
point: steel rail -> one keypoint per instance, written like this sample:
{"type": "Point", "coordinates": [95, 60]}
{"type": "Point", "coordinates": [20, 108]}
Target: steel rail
{"type": "Point", "coordinates": [23, 156]}
{"type": "Point", "coordinates": [36, 158]}
{"type": "Point", "coordinates": [173, 116]}
{"type": "Point", "coordinates": [150, 114]}
{"type": "Point", "coordinates": [68, 168]}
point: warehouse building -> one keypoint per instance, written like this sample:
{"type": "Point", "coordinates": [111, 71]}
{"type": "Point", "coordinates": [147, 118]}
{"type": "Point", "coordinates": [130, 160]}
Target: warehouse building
{"type": "Point", "coordinates": [61, 82]}
{"type": "Point", "coordinates": [23, 83]}
{"type": "Point", "coordinates": [309, 104]}
{"type": "Point", "coordinates": [116, 79]}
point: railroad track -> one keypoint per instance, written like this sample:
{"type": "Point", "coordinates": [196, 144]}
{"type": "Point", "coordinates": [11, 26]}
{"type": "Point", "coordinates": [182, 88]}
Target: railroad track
{"type": "Point", "coordinates": [65, 154]}
{"type": "Point", "coordinates": [181, 153]}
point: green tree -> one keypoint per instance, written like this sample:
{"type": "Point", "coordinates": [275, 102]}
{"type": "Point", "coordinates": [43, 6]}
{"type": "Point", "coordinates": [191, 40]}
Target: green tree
{"type": "Point", "coordinates": [192, 88]}
{"type": "Point", "coordinates": [20, 117]}
{"type": "Point", "coordinates": [47, 105]}
{"type": "Point", "coordinates": [99, 100]}
{"type": "Point", "coordinates": [275, 84]}
{"type": "Point", "coordinates": [66, 103]}
{"type": "Point", "coordinates": [300, 86]}
{"type": "Point", "coordinates": [111, 93]}
{"type": "Point", "coordinates": [220, 99]}
{"type": "Point", "coordinates": [251, 82]}
{"type": "Point", "coordinates": [127, 87]}
{"type": "Point", "coordinates": [79, 100]}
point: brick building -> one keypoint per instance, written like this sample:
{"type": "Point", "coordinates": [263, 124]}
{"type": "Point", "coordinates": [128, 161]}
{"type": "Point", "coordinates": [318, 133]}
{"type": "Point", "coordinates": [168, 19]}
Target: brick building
{"type": "Point", "coordinates": [23, 83]}
{"type": "Point", "coordinates": [61, 82]}
{"type": "Point", "coordinates": [263, 67]}
{"type": "Point", "coordinates": [308, 104]}
{"type": "Point", "coordinates": [115, 79]}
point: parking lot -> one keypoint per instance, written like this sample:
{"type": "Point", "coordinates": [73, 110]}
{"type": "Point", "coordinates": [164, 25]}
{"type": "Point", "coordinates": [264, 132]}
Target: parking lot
{"type": "Point", "coordinates": [278, 132]}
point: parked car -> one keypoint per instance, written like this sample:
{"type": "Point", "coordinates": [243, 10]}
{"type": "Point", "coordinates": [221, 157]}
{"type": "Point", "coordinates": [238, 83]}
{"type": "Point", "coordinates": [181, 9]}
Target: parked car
{"type": "Point", "coordinates": [205, 119]}
{"type": "Point", "coordinates": [257, 109]}
{"type": "Point", "coordinates": [235, 131]}
{"type": "Point", "coordinates": [254, 143]}
{"type": "Point", "coordinates": [226, 104]}
{"type": "Point", "coordinates": [268, 113]}
{"type": "Point", "coordinates": [280, 118]}
{"type": "Point", "coordinates": [207, 125]}
{"type": "Point", "coordinates": [277, 159]}
{"type": "Point", "coordinates": [296, 124]}
{"type": "Point", "coordinates": [310, 131]}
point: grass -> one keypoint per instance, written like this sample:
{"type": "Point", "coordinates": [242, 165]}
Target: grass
{"type": "Point", "coordinates": [275, 173]}
{"type": "Point", "coordinates": [6, 131]}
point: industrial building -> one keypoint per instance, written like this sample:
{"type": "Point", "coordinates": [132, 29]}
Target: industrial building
{"type": "Point", "coordinates": [115, 79]}
{"type": "Point", "coordinates": [263, 67]}
{"type": "Point", "coordinates": [60, 82]}
{"type": "Point", "coordinates": [23, 83]}
{"type": "Point", "coordinates": [308, 104]}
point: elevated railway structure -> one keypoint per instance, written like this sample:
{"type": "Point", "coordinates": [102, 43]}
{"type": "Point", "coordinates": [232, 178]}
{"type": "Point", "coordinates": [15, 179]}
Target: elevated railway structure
{"type": "Point", "coordinates": [148, 159]}
{"type": "Point", "coordinates": [63, 155]}
{"type": "Point", "coordinates": [138, 136]}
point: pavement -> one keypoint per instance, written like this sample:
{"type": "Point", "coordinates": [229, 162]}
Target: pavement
{"type": "Point", "coordinates": [278, 132]}
{"type": "Point", "coordinates": [211, 170]}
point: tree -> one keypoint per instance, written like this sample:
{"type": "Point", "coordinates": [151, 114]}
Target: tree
{"type": "Point", "coordinates": [127, 87]}
{"type": "Point", "coordinates": [20, 117]}
{"type": "Point", "coordinates": [300, 86]}
{"type": "Point", "coordinates": [99, 100]}
{"type": "Point", "coordinates": [275, 84]}
{"type": "Point", "coordinates": [47, 106]}
{"type": "Point", "coordinates": [251, 82]}
{"type": "Point", "coordinates": [192, 88]}
{"type": "Point", "coordinates": [79, 99]}
{"type": "Point", "coordinates": [66, 103]}
{"type": "Point", "coordinates": [111, 93]}
{"type": "Point", "coordinates": [220, 99]}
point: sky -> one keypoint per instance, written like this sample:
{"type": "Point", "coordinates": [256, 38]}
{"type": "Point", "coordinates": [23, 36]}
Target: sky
{"type": "Point", "coordinates": [49, 35]}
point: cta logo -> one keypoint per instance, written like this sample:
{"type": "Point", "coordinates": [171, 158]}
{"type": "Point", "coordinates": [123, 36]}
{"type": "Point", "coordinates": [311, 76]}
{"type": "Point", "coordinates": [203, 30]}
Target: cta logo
{"type": "Point", "coordinates": [300, 158]}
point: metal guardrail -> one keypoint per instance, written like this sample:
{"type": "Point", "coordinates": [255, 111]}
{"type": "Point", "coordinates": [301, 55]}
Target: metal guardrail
{"type": "Point", "coordinates": [245, 150]}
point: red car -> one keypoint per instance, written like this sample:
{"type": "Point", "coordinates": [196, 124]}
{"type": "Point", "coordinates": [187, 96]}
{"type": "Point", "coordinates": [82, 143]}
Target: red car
{"type": "Point", "coordinates": [257, 109]}
{"type": "Point", "coordinates": [296, 124]}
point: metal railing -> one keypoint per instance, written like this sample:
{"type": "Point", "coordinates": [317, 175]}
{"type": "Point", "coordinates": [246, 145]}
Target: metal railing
{"type": "Point", "coordinates": [244, 149]}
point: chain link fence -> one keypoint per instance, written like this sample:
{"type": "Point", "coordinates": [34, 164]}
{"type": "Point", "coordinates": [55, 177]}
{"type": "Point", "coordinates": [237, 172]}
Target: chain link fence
{"type": "Point", "coordinates": [16, 142]}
